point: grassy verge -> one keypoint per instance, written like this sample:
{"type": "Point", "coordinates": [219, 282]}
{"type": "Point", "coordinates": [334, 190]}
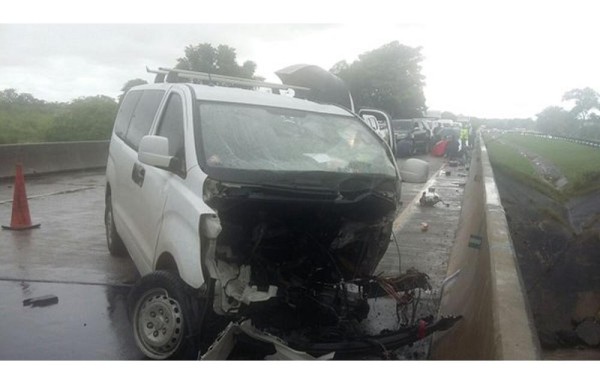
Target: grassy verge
{"type": "Point", "coordinates": [509, 161]}
{"type": "Point", "coordinates": [580, 164]}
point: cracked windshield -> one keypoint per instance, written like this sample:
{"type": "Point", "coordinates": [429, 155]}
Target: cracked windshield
{"type": "Point", "coordinates": [258, 138]}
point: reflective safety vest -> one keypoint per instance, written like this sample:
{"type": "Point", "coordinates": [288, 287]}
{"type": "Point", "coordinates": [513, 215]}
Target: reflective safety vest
{"type": "Point", "coordinates": [464, 133]}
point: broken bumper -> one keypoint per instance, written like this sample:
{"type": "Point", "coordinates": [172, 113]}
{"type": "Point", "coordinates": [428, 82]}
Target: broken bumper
{"type": "Point", "coordinates": [382, 344]}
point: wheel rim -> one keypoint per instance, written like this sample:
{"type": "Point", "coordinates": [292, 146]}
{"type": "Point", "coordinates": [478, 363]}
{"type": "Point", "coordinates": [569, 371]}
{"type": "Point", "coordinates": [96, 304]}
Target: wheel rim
{"type": "Point", "coordinates": [158, 324]}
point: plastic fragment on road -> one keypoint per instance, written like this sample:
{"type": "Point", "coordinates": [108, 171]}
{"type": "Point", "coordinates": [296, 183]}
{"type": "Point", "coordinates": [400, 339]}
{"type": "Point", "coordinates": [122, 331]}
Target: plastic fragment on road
{"type": "Point", "coordinates": [429, 198]}
{"type": "Point", "coordinates": [475, 241]}
{"type": "Point", "coordinates": [41, 301]}
{"type": "Point", "coordinates": [414, 171]}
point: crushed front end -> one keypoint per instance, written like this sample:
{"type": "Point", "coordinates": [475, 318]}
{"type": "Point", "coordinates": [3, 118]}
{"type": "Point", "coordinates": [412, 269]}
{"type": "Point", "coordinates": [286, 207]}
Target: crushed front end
{"type": "Point", "coordinates": [304, 202]}
{"type": "Point", "coordinates": [297, 264]}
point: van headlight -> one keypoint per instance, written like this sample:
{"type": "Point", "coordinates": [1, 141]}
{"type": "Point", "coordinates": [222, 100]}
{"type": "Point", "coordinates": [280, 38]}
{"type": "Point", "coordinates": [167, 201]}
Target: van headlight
{"type": "Point", "coordinates": [210, 226]}
{"type": "Point", "coordinates": [210, 189]}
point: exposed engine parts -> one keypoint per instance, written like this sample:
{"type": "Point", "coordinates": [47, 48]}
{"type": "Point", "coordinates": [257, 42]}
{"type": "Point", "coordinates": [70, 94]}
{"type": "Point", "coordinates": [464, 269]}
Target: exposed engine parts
{"type": "Point", "coordinates": [297, 266]}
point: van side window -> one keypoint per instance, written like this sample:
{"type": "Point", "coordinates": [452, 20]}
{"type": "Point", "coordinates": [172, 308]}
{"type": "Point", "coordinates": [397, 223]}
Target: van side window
{"type": "Point", "coordinates": [172, 127]}
{"type": "Point", "coordinates": [143, 116]}
{"type": "Point", "coordinates": [125, 112]}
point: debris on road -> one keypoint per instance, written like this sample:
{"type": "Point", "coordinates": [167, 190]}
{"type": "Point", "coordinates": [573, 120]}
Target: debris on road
{"type": "Point", "coordinates": [430, 199]}
{"type": "Point", "coordinates": [348, 341]}
{"type": "Point", "coordinates": [41, 301]}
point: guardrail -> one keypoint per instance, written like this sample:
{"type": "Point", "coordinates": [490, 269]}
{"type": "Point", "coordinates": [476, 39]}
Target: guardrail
{"type": "Point", "coordinates": [41, 158]}
{"type": "Point", "coordinates": [484, 283]}
{"type": "Point", "coordinates": [591, 143]}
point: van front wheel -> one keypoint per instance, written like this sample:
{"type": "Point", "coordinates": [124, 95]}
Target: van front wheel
{"type": "Point", "coordinates": [113, 240]}
{"type": "Point", "coordinates": [160, 313]}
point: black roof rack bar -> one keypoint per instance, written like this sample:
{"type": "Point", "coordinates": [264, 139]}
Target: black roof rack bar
{"type": "Point", "coordinates": [156, 71]}
{"type": "Point", "coordinates": [224, 79]}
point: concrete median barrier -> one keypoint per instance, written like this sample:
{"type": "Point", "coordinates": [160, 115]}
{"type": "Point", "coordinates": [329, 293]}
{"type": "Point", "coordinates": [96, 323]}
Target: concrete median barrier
{"type": "Point", "coordinates": [484, 283]}
{"type": "Point", "coordinates": [41, 158]}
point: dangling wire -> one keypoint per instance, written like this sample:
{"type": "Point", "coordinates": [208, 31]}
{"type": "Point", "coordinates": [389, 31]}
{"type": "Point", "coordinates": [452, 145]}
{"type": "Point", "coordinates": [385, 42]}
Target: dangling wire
{"type": "Point", "coordinates": [399, 256]}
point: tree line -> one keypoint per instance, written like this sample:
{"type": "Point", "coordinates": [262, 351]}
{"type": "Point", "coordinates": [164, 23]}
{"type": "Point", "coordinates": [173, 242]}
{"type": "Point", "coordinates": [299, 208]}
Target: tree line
{"type": "Point", "coordinates": [387, 78]}
{"type": "Point", "coordinates": [25, 119]}
{"type": "Point", "coordinates": [581, 121]}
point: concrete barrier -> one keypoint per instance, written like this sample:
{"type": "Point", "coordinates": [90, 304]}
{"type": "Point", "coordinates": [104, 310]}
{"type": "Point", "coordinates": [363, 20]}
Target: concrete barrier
{"type": "Point", "coordinates": [484, 283]}
{"type": "Point", "coordinates": [43, 158]}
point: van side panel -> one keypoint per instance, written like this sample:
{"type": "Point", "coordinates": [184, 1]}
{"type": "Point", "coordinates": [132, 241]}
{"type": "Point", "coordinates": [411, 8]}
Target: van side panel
{"type": "Point", "coordinates": [179, 234]}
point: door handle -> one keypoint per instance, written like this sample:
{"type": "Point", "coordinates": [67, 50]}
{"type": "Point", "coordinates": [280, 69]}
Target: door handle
{"type": "Point", "coordinates": [137, 174]}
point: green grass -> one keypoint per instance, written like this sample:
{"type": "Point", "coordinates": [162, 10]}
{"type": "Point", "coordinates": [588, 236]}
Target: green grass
{"type": "Point", "coordinates": [580, 164]}
{"type": "Point", "coordinates": [511, 162]}
{"type": "Point", "coordinates": [508, 158]}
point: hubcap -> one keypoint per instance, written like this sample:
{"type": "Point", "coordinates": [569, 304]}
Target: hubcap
{"type": "Point", "coordinates": [158, 324]}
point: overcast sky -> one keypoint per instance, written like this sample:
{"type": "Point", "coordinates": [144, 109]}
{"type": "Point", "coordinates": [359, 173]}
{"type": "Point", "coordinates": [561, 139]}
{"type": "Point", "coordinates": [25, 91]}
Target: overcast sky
{"type": "Point", "coordinates": [496, 59]}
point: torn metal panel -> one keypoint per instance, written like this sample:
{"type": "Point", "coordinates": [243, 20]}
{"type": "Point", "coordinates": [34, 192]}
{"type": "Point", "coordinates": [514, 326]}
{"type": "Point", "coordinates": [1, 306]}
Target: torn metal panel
{"type": "Point", "coordinates": [225, 342]}
{"type": "Point", "coordinates": [362, 345]}
{"type": "Point", "coordinates": [41, 301]}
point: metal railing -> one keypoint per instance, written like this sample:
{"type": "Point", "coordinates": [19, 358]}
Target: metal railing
{"type": "Point", "coordinates": [588, 142]}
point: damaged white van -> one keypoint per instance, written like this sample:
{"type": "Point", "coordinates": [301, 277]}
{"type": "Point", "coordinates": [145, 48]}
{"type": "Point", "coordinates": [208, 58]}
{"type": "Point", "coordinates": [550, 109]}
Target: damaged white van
{"type": "Point", "coordinates": [252, 209]}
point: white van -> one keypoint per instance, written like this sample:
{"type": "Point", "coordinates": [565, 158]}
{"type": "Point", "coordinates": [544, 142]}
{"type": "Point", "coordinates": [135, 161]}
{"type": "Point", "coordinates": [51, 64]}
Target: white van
{"type": "Point", "coordinates": [236, 204]}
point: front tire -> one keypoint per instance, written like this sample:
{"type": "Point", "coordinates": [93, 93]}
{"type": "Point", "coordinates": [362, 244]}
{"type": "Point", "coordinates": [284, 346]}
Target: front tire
{"type": "Point", "coordinates": [161, 316]}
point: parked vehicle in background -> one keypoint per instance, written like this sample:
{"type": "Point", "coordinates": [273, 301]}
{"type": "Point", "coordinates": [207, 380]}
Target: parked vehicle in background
{"type": "Point", "coordinates": [380, 122]}
{"type": "Point", "coordinates": [442, 132]}
{"type": "Point", "coordinates": [412, 136]}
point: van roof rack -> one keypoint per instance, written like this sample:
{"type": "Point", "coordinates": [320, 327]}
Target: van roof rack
{"type": "Point", "coordinates": [204, 76]}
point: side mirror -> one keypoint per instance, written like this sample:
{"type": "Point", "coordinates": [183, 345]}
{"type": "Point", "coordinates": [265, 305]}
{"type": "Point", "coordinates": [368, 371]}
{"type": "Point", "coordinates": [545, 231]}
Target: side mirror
{"type": "Point", "coordinates": [154, 150]}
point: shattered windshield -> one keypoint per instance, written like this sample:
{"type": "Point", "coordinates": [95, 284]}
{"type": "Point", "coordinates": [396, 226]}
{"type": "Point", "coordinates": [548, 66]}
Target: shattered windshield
{"type": "Point", "coordinates": [249, 137]}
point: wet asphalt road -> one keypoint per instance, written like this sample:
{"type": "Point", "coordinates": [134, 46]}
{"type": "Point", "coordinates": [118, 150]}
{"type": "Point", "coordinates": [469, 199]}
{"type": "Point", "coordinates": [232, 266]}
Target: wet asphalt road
{"type": "Point", "coordinates": [67, 257]}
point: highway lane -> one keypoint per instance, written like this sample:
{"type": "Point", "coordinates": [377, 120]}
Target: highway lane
{"type": "Point", "coordinates": [67, 257]}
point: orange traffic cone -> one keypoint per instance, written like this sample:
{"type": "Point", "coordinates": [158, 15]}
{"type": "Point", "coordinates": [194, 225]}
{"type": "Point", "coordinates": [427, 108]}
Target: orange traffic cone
{"type": "Point", "coordinates": [20, 210]}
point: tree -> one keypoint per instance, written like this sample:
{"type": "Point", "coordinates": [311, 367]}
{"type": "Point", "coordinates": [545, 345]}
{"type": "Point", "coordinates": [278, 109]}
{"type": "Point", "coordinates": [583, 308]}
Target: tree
{"type": "Point", "coordinates": [23, 118]}
{"type": "Point", "coordinates": [586, 99]}
{"type": "Point", "coordinates": [221, 61]}
{"type": "Point", "coordinates": [591, 127]}
{"type": "Point", "coordinates": [130, 84]}
{"type": "Point", "coordinates": [11, 96]}
{"type": "Point", "coordinates": [555, 120]}
{"type": "Point", "coordinates": [86, 118]}
{"type": "Point", "coordinates": [388, 78]}
{"type": "Point", "coordinates": [448, 115]}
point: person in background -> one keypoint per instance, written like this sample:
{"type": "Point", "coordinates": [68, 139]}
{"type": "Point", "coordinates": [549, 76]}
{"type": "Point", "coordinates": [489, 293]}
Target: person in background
{"type": "Point", "coordinates": [453, 148]}
{"type": "Point", "coordinates": [472, 137]}
{"type": "Point", "coordinates": [464, 136]}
